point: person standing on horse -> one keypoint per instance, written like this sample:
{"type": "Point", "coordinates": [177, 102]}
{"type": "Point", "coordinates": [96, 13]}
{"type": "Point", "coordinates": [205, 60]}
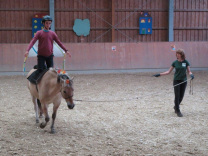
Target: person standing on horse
{"type": "Point", "coordinates": [45, 44]}
{"type": "Point", "coordinates": [180, 78]}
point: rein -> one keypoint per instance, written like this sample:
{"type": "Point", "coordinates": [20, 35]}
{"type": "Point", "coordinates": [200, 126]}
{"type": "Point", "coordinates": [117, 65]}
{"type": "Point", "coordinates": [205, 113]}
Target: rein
{"type": "Point", "coordinates": [136, 98]}
{"type": "Point", "coordinates": [191, 85]}
{"type": "Point", "coordinates": [191, 91]}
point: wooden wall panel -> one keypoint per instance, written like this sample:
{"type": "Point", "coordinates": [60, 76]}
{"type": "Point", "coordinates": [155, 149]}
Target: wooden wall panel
{"type": "Point", "coordinates": [16, 19]}
{"type": "Point", "coordinates": [129, 15]}
{"type": "Point", "coordinates": [97, 12]}
{"type": "Point", "coordinates": [190, 19]}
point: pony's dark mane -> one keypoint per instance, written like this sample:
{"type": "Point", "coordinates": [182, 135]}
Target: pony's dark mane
{"type": "Point", "coordinates": [63, 76]}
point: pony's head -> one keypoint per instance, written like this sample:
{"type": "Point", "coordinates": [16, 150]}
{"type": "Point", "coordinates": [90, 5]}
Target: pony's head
{"type": "Point", "coordinates": [67, 90]}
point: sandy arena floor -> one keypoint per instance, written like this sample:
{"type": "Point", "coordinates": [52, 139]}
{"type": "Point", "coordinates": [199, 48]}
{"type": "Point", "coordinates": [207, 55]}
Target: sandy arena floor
{"type": "Point", "coordinates": [133, 116]}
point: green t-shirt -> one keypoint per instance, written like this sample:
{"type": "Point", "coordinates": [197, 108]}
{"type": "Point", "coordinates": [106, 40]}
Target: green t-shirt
{"type": "Point", "coordinates": [180, 69]}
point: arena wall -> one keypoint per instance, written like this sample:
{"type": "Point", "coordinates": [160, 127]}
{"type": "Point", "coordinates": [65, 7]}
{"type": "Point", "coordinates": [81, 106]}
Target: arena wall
{"type": "Point", "coordinates": [100, 56]}
{"type": "Point", "coordinates": [110, 20]}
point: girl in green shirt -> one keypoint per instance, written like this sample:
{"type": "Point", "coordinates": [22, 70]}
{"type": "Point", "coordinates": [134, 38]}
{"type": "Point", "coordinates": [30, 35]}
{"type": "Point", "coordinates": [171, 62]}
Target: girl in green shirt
{"type": "Point", "coordinates": [181, 65]}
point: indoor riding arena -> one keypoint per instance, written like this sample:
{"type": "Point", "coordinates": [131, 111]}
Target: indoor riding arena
{"type": "Point", "coordinates": [121, 108]}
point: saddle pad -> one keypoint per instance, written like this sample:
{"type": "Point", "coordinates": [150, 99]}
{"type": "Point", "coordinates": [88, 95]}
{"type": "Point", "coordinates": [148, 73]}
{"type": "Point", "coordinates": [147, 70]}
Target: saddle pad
{"type": "Point", "coordinates": [36, 76]}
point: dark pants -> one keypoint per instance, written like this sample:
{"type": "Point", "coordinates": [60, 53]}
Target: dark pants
{"type": "Point", "coordinates": [44, 62]}
{"type": "Point", "coordinates": [179, 92]}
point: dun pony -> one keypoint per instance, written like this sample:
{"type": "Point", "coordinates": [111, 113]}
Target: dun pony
{"type": "Point", "coordinates": [51, 88]}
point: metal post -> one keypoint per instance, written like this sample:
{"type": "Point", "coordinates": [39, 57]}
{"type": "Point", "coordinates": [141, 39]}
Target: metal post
{"type": "Point", "coordinates": [52, 13]}
{"type": "Point", "coordinates": [113, 20]}
{"type": "Point", "coordinates": [171, 21]}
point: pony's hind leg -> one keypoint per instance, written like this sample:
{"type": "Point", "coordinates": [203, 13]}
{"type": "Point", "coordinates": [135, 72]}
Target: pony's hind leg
{"type": "Point", "coordinates": [36, 109]}
{"type": "Point", "coordinates": [45, 112]}
{"type": "Point", "coordinates": [40, 108]}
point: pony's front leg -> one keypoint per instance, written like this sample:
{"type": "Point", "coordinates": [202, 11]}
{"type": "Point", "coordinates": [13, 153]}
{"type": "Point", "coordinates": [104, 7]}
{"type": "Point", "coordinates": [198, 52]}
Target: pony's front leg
{"type": "Point", "coordinates": [55, 108]}
{"type": "Point", "coordinates": [45, 112]}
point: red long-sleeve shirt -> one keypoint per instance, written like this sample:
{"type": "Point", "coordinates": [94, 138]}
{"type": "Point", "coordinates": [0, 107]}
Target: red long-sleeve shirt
{"type": "Point", "coordinates": [45, 44]}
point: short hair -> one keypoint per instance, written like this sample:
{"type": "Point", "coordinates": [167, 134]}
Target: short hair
{"type": "Point", "coordinates": [182, 53]}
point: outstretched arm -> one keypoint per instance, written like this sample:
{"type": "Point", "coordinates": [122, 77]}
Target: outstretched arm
{"type": "Point", "coordinates": [173, 48]}
{"type": "Point", "coordinates": [32, 42]}
{"type": "Point", "coordinates": [164, 73]}
{"type": "Point", "coordinates": [68, 53]}
{"type": "Point", "coordinates": [56, 39]}
{"type": "Point", "coordinates": [167, 72]}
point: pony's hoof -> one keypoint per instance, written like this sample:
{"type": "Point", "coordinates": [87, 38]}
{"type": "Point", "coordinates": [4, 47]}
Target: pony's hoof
{"type": "Point", "coordinates": [53, 131]}
{"type": "Point", "coordinates": [37, 121]}
{"type": "Point", "coordinates": [42, 125]}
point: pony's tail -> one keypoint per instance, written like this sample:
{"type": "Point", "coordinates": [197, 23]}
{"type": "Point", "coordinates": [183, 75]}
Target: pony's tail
{"type": "Point", "coordinates": [39, 104]}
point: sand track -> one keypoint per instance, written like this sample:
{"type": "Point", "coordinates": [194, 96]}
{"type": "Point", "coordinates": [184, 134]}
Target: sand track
{"type": "Point", "coordinates": [143, 126]}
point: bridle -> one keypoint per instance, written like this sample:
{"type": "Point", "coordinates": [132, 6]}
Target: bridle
{"type": "Point", "coordinates": [68, 97]}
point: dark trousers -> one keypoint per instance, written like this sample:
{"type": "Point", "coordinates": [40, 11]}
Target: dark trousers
{"type": "Point", "coordinates": [179, 92]}
{"type": "Point", "coordinates": [44, 62]}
